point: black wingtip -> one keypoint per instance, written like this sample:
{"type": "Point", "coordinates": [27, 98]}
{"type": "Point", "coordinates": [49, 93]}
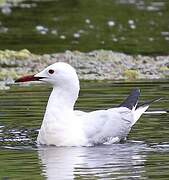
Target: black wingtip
{"type": "Point", "coordinates": [147, 103]}
{"type": "Point", "coordinates": [132, 99]}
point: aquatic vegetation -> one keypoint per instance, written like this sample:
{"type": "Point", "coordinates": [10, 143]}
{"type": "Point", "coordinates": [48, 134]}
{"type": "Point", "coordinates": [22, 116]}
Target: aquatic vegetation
{"type": "Point", "coordinates": [164, 68]}
{"type": "Point", "coordinates": [3, 2]}
{"type": "Point", "coordinates": [4, 73]}
{"type": "Point", "coordinates": [131, 74]}
{"type": "Point", "coordinates": [14, 55]}
{"type": "Point", "coordinates": [165, 71]}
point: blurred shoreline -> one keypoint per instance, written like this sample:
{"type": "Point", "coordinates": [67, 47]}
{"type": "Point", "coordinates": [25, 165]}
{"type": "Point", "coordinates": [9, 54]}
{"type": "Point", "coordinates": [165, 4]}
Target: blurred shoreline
{"type": "Point", "coordinates": [94, 65]}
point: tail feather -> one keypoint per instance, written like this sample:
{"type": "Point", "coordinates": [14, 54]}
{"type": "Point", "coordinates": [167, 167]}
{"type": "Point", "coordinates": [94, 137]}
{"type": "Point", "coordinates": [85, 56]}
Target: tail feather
{"type": "Point", "coordinates": [156, 112]}
{"type": "Point", "coordinates": [131, 102]}
{"type": "Point", "coordinates": [140, 109]}
{"type": "Point", "coordinates": [138, 112]}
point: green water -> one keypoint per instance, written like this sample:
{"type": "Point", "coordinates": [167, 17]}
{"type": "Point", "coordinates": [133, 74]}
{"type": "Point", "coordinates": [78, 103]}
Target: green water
{"type": "Point", "coordinates": [145, 155]}
{"type": "Point", "coordinates": [85, 25]}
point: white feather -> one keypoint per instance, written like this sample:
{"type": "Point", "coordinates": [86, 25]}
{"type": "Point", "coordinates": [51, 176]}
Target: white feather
{"type": "Point", "coordinates": [155, 112]}
{"type": "Point", "coordinates": [138, 112]}
{"type": "Point", "coordinates": [63, 126]}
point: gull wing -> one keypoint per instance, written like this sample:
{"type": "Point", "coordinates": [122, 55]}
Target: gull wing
{"type": "Point", "coordinates": [103, 125]}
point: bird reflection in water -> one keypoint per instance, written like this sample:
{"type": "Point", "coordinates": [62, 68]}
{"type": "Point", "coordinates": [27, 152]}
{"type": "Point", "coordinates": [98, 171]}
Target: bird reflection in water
{"type": "Point", "coordinates": [110, 162]}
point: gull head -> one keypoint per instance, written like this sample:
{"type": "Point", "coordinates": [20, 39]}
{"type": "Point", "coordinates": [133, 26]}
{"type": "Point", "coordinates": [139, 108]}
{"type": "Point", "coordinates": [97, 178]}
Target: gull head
{"type": "Point", "coordinates": [58, 74]}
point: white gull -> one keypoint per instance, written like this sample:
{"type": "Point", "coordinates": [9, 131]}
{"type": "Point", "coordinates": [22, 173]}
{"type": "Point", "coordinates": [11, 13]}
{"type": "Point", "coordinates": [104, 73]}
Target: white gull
{"type": "Point", "coordinates": [64, 126]}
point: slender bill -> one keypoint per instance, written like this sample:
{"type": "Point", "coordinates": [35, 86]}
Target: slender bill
{"type": "Point", "coordinates": [28, 78]}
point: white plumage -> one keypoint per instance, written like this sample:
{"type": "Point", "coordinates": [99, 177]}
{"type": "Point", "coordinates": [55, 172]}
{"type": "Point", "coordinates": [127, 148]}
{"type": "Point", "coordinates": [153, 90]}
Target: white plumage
{"type": "Point", "coordinates": [64, 126]}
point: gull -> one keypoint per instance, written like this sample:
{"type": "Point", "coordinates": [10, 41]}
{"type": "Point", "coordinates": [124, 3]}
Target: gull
{"type": "Point", "coordinates": [64, 126]}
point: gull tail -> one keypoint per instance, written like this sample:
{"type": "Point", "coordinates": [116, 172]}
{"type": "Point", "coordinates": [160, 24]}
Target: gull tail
{"type": "Point", "coordinates": [131, 102]}
{"type": "Point", "coordinates": [147, 103]}
{"type": "Point", "coordinates": [156, 112]}
{"type": "Point", "coordinates": [140, 109]}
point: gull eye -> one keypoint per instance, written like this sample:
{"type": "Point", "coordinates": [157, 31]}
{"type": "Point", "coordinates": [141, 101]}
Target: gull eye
{"type": "Point", "coordinates": [51, 71]}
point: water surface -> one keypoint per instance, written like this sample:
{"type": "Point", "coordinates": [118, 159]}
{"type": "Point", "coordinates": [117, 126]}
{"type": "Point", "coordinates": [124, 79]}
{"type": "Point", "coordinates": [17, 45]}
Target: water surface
{"type": "Point", "coordinates": [131, 26]}
{"type": "Point", "coordinates": [145, 155]}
